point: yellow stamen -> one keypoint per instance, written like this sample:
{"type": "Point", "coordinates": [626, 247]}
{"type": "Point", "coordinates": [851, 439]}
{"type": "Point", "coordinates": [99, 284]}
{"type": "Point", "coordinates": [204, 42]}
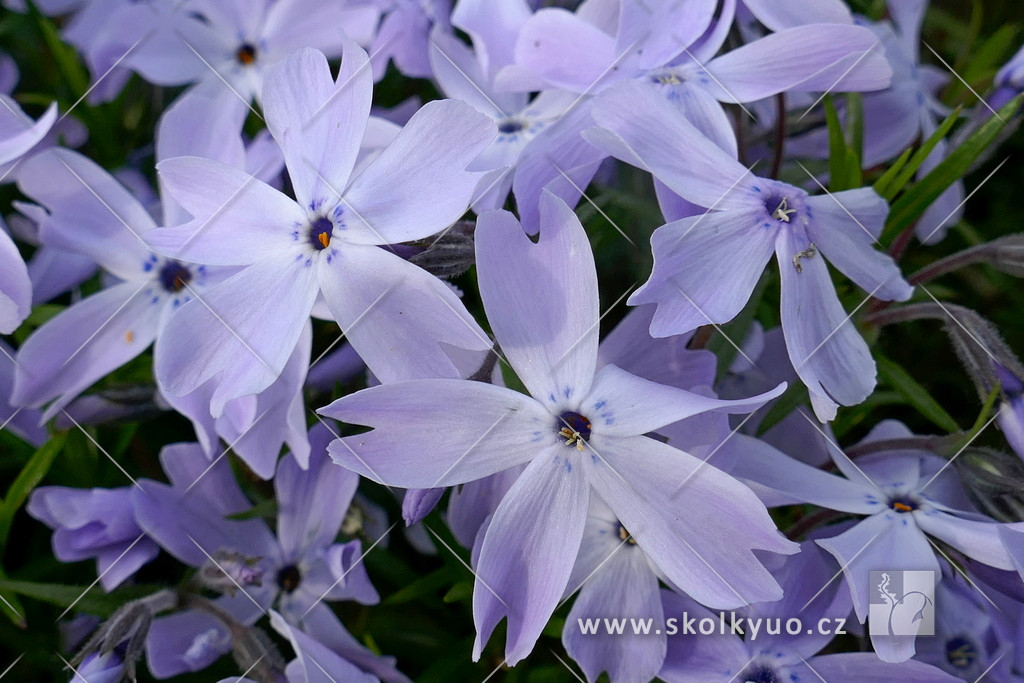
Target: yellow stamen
{"type": "Point", "coordinates": [902, 507]}
{"type": "Point", "coordinates": [571, 437]}
{"type": "Point", "coordinates": [324, 239]}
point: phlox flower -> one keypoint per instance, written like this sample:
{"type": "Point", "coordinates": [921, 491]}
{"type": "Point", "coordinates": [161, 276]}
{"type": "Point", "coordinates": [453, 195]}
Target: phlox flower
{"type": "Point", "coordinates": [580, 430]}
{"type": "Point", "coordinates": [18, 134]}
{"type": "Point", "coordinates": [906, 496]}
{"type": "Point", "coordinates": [538, 146]}
{"type": "Point", "coordinates": [90, 213]}
{"type": "Point", "coordinates": [706, 266]}
{"type": "Point", "coordinates": [294, 571]}
{"type": "Point", "coordinates": [779, 656]}
{"type": "Point", "coordinates": [671, 47]}
{"type": "Point", "coordinates": [222, 46]}
{"type": "Point", "coordinates": [327, 241]}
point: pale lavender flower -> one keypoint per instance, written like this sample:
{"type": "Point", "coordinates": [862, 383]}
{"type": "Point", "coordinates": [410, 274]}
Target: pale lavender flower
{"type": "Point", "coordinates": [1011, 408]}
{"type": "Point", "coordinates": [222, 46]}
{"type": "Point", "coordinates": [89, 212]}
{"type": "Point", "coordinates": [96, 523]}
{"type": "Point", "coordinates": [580, 430]}
{"type": "Point", "coordinates": [293, 571]}
{"type": "Point", "coordinates": [773, 657]}
{"type": "Point", "coordinates": [105, 668]}
{"type": "Point", "coordinates": [327, 242]}
{"type": "Point", "coordinates": [671, 48]}
{"type": "Point", "coordinates": [538, 145]}
{"type": "Point", "coordinates": [404, 36]}
{"type": "Point", "coordinates": [1009, 81]}
{"type": "Point", "coordinates": [966, 643]}
{"type": "Point", "coordinates": [18, 134]}
{"type": "Point", "coordinates": [706, 266]}
{"type": "Point", "coordinates": [906, 497]}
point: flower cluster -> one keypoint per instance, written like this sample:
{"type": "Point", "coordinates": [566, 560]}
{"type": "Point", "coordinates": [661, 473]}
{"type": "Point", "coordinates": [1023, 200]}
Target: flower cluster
{"type": "Point", "coordinates": [374, 311]}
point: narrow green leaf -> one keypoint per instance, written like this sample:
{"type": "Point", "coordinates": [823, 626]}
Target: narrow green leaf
{"type": "Point", "coordinates": [882, 184]}
{"type": "Point", "coordinates": [854, 177]}
{"type": "Point", "coordinates": [914, 201]}
{"type": "Point", "coordinates": [908, 171]}
{"type": "Point", "coordinates": [29, 477]}
{"type": "Point", "coordinates": [12, 607]}
{"type": "Point", "coordinates": [428, 585]}
{"type": "Point", "coordinates": [837, 166]}
{"type": "Point", "coordinates": [460, 592]}
{"type": "Point", "coordinates": [266, 509]}
{"type": "Point", "coordinates": [916, 395]}
{"type": "Point", "coordinates": [855, 121]}
{"type": "Point", "coordinates": [89, 599]}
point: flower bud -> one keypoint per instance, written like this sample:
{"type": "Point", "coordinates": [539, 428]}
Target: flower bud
{"type": "Point", "coordinates": [227, 571]}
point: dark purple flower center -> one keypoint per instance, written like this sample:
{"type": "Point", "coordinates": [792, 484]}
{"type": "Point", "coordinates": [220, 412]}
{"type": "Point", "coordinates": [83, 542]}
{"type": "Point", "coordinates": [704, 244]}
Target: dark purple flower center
{"type": "Point", "coordinates": [903, 504]}
{"type": "Point", "coordinates": [778, 208]}
{"type": "Point", "coordinates": [320, 233]}
{"type": "Point", "coordinates": [759, 673]}
{"type": "Point", "coordinates": [961, 652]}
{"type": "Point", "coordinates": [509, 126]}
{"type": "Point", "coordinates": [574, 428]}
{"type": "Point", "coordinates": [174, 276]}
{"type": "Point", "coordinates": [246, 54]}
{"type": "Point", "coordinates": [289, 578]}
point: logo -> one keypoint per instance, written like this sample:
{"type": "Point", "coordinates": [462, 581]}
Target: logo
{"type": "Point", "coordinates": [901, 603]}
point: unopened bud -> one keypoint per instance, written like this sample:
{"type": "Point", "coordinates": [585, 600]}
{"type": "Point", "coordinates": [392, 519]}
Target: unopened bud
{"type": "Point", "coordinates": [418, 503]}
{"type": "Point", "coordinates": [448, 254]}
{"type": "Point", "coordinates": [1006, 254]}
{"type": "Point", "coordinates": [257, 655]}
{"type": "Point", "coordinates": [227, 571]}
{"type": "Point", "coordinates": [124, 633]}
{"type": "Point", "coordinates": [992, 480]}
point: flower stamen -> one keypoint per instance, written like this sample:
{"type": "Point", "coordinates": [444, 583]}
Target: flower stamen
{"type": "Point", "coordinates": [782, 211]}
{"type": "Point", "coordinates": [575, 430]}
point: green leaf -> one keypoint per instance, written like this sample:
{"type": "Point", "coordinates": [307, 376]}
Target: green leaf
{"type": "Point", "coordinates": [837, 164]}
{"type": "Point", "coordinates": [460, 592]}
{"type": "Point", "coordinates": [12, 607]}
{"type": "Point", "coordinates": [882, 184]}
{"type": "Point", "coordinates": [266, 509]}
{"type": "Point", "coordinates": [29, 477]}
{"type": "Point", "coordinates": [915, 394]}
{"type": "Point", "coordinates": [428, 585]}
{"type": "Point", "coordinates": [914, 201]}
{"type": "Point", "coordinates": [90, 599]}
{"type": "Point", "coordinates": [907, 172]}
{"type": "Point", "coordinates": [855, 149]}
